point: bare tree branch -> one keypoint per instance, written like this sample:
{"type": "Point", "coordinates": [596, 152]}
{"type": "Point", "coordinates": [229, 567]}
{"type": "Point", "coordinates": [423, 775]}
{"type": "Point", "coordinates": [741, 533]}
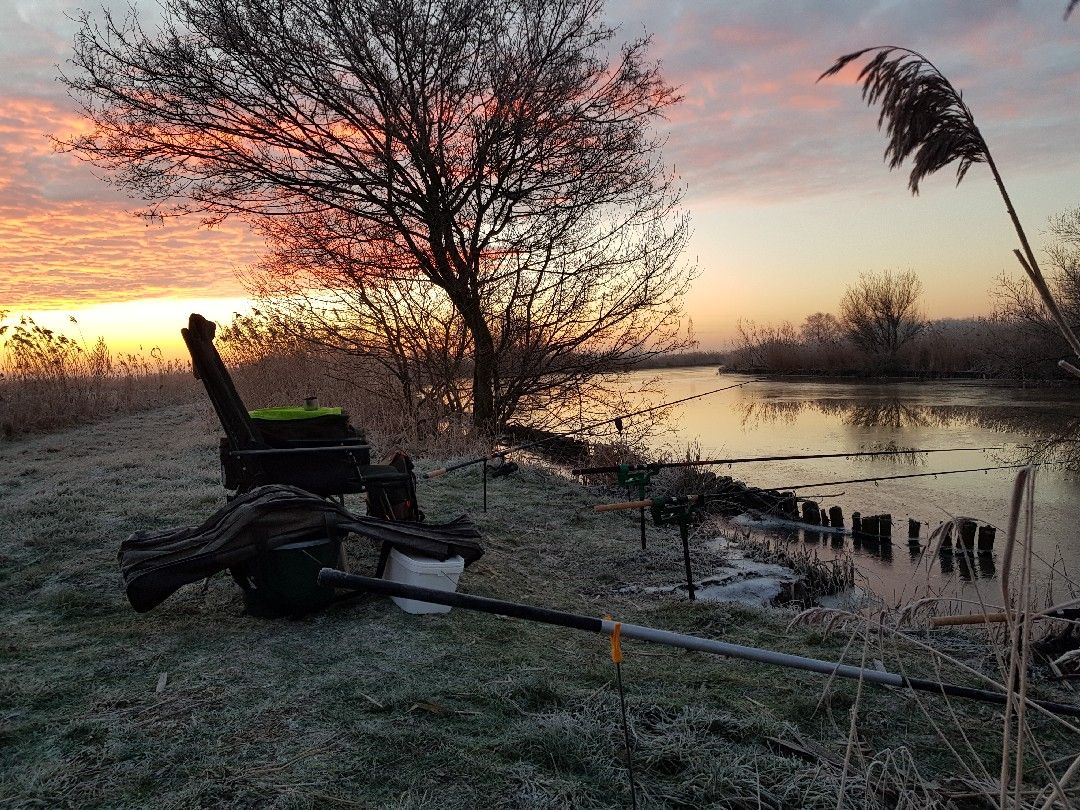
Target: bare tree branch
{"type": "Point", "coordinates": [493, 150]}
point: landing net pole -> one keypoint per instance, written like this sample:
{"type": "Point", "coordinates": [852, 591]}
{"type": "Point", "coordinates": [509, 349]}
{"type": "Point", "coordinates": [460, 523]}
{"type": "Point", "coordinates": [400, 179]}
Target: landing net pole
{"type": "Point", "coordinates": [339, 579]}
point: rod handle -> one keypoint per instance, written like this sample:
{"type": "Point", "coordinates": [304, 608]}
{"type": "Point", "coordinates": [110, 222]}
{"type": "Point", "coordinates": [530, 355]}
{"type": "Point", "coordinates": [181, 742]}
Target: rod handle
{"type": "Point", "coordinates": [439, 473]}
{"type": "Point", "coordinates": [980, 618]}
{"type": "Point", "coordinates": [615, 507]}
{"type": "Point", "coordinates": [967, 618]}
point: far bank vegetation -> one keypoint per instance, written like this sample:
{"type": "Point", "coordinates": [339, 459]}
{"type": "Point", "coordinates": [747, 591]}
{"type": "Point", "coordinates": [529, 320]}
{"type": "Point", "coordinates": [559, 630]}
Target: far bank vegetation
{"type": "Point", "coordinates": [879, 328]}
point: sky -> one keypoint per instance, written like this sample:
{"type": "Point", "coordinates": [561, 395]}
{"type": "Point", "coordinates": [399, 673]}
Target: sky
{"type": "Point", "coordinates": [785, 181]}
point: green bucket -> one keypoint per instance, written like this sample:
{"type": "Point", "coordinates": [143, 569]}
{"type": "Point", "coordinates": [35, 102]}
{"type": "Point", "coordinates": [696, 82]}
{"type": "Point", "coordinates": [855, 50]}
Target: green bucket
{"type": "Point", "coordinates": [284, 580]}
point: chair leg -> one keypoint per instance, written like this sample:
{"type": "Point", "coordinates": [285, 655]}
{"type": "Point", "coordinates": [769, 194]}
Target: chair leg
{"type": "Point", "coordinates": [384, 555]}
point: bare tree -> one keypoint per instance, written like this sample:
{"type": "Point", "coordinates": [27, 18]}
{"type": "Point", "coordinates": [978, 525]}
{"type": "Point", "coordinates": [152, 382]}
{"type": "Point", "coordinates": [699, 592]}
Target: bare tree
{"type": "Point", "coordinates": [403, 324]}
{"type": "Point", "coordinates": [1017, 301]}
{"type": "Point", "coordinates": [821, 329]}
{"type": "Point", "coordinates": [880, 313]}
{"type": "Point", "coordinates": [491, 149]}
{"type": "Point", "coordinates": [766, 347]}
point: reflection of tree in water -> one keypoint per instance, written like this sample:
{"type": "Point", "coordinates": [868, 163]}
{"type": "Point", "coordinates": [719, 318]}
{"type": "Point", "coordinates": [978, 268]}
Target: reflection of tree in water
{"type": "Point", "coordinates": [758, 413]}
{"type": "Point", "coordinates": [1053, 433]}
{"type": "Point", "coordinates": [887, 413]}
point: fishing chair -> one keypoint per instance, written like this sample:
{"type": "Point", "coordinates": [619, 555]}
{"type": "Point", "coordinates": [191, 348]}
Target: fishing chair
{"type": "Point", "coordinates": [313, 449]}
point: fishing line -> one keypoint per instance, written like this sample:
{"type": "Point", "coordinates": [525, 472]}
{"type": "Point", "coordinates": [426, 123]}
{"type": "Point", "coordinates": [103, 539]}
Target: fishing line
{"type": "Point", "coordinates": [920, 475]}
{"type": "Point", "coordinates": [616, 419]}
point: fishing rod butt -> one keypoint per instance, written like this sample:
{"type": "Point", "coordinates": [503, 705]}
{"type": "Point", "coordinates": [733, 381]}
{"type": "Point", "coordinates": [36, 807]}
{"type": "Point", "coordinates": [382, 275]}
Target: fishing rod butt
{"type": "Point", "coordinates": [332, 578]}
{"type": "Point", "coordinates": [616, 507]}
{"type": "Point", "coordinates": [439, 473]}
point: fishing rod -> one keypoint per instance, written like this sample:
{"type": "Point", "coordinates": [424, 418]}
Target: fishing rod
{"type": "Point", "coordinates": [921, 475]}
{"type": "Point", "coordinates": [1064, 614]}
{"type": "Point", "coordinates": [339, 579]}
{"type": "Point", "coordinates": [647, 502]}
{"type": "Point", "coordinates": [663, 465]}
{"type": "Point", "coordinates": [616, 419]}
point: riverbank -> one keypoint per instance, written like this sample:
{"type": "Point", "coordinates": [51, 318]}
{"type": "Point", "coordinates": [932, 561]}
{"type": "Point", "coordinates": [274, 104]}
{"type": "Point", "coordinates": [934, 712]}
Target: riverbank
{"type": "Point", "coordinates": [198, 704]}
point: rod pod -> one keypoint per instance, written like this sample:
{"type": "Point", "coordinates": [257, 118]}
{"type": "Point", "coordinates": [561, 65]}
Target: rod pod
{"type": "Point", "coordinates": [339, 579]}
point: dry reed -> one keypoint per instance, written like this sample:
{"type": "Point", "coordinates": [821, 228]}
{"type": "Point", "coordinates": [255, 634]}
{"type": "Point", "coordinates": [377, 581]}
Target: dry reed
{"type": "Point", "coordinates": [1025, 777]}
{"type": "Point", "coordinates": [49, 380]}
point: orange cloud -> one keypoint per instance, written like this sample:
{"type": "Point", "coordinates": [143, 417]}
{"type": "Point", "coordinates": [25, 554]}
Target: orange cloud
{"type": "Point", "coordinates": [68, 239]}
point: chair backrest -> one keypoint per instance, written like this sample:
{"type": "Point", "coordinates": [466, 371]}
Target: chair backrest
{"type": "Point", "coordinates": [207, 365]}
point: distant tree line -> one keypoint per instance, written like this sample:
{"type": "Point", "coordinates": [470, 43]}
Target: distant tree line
{"type": "Point", "coordinates": [879, 329]}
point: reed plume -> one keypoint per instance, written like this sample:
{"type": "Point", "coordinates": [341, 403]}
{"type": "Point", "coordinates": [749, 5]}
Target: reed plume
{"type": "Point", "coordinates": [927, 121]}
{"type": "Point", "coordinates": [924, 116]}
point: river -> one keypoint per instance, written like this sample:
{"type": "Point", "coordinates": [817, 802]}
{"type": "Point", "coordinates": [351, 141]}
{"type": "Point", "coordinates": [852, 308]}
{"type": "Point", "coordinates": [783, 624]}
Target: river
{"type": "Point", "coordinates": [785, 416]}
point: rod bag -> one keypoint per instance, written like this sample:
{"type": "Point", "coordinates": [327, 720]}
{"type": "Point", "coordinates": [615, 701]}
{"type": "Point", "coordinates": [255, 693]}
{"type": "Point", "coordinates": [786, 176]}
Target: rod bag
{"type": "Point", "coordinates": [155, 564]}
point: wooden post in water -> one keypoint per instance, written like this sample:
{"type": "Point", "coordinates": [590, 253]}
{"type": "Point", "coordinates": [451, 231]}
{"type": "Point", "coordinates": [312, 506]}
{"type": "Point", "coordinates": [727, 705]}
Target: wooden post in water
{"type": "Point", "coordinates": [986, 538]}
{"type": "Point", "coordinates": [789, 505]}
{"type": "Point", "coordinates": [870, 531]}
{"type": "Point", "coordinates": [856, 529]}
{"type": "Point", "coordinates": [836, 517]}
{"type": "Point", "coordinates": [967, 533]}
{"type": "Point", "coordinates": [885, 529]}
{"type": "Point", "coordinates": [913, 527]}
{"type": "Point", "coordinates": [811, 513]}
{"type": "Point", "coordinates": [946, 539]}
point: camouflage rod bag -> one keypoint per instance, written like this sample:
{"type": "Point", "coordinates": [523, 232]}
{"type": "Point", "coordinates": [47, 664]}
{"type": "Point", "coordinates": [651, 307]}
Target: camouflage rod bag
{"type": "Point", "coordinates": [155, 564]}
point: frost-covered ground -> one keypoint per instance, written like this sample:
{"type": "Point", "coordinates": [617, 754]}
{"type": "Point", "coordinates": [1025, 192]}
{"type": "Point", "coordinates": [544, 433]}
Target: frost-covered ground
{"type": "Point", "coordinates": [198, 704]}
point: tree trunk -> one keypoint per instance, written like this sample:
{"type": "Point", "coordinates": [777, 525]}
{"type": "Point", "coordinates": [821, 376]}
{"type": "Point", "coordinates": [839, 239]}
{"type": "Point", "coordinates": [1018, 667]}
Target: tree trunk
{"type": "Point", "coordinates": [484, 417]}
{"type": "Point", "coordinates": [485, 371]}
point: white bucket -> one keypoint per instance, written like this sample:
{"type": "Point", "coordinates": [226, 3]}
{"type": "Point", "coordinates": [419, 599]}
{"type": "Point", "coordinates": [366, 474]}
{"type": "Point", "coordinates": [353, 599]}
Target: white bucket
{"type": "Point", "coordinates": [423, 572]}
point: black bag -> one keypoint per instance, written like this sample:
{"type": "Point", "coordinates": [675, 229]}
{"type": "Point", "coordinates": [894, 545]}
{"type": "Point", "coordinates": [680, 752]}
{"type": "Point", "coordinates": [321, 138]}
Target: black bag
{"type": "Point", "coordinates": [396, 500]}
{"type": "Point", "coordinates": [287, 432]}
{"type": "Point", "coordinates": [283, 581]}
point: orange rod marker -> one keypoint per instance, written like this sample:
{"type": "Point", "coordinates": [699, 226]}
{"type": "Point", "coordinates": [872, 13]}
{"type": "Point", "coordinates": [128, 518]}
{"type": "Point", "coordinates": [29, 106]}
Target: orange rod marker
{"type": "Point", "coordinates": [616, 643]}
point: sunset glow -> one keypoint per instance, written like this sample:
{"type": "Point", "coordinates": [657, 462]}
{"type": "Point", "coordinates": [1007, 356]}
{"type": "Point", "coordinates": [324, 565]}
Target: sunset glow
{"type": "Point", "coordinates": [784, 176]}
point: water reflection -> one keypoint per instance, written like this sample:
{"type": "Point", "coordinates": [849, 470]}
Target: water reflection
{"type": "Point", "coordinates": [780, 417]}
{"type": "Point", "coordinates": [1053, 433]}
{"type": "Point", "coordinates": [893, 413]}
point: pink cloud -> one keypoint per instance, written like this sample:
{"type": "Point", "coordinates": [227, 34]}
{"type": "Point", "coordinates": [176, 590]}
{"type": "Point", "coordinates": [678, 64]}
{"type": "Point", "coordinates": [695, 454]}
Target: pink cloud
{"type": "Point", "coordinates": [755, 126]}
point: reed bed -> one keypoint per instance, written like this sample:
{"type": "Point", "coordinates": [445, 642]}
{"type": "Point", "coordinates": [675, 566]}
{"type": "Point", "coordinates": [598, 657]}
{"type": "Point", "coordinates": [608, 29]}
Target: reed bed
{"type": "Point", "coordinates": [50, 380]}
{"type": "Point", "coordinates": [817, 577]}
{"type": "Point", "coordinates": [1018, 657]}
